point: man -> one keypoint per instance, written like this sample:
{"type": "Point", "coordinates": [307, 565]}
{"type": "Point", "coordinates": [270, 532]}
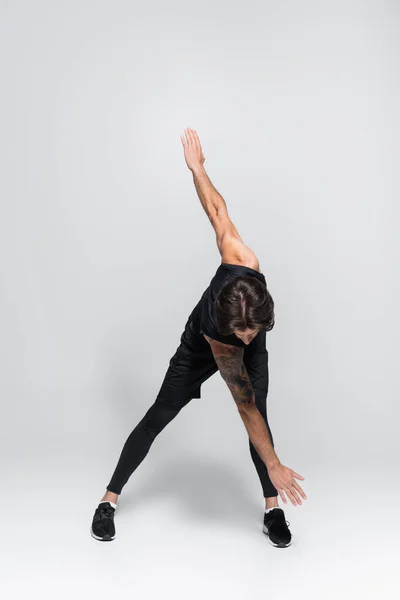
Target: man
{"type": "Point", "coordinates": [226, 331]}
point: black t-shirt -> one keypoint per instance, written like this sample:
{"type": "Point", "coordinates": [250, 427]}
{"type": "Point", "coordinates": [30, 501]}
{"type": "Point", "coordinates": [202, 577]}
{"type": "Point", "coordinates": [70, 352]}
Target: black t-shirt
{"type": "Point", "coordinates": [225, 272]}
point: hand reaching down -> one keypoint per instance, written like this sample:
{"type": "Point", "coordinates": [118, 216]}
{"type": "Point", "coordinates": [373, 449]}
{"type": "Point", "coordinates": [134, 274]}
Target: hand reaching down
{"type": "Point", "coordinates": [283, 480]}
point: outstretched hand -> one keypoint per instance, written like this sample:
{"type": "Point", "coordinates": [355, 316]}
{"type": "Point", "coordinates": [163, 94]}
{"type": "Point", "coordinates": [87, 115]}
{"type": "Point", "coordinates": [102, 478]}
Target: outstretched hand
{"type": "Point", "coordinates": [192, 149]}
{"type": "Point", "coordinates": [283, 480]}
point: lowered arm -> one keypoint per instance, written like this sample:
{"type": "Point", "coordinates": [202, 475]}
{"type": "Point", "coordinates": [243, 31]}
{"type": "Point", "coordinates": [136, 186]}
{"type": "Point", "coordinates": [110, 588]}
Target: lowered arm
{"type": "Point", "coordinates": [230, 363]}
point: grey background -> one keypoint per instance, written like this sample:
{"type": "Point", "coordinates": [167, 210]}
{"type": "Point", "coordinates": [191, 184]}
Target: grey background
{"type": "Point", "coordinates": [105, 249]}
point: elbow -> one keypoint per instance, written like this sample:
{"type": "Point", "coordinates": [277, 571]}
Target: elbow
{"type": "Point", "coordinates": [245, 406]}
{"type": "Point", "coordinates": [242, 392]}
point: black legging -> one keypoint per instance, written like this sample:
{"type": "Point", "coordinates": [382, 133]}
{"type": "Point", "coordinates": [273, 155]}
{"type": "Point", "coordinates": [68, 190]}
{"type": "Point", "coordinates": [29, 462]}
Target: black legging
{"type": "Point", "coordinates": [156, 418]}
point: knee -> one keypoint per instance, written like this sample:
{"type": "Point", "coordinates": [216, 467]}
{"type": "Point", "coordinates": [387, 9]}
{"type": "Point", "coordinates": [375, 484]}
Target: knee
{"type": "Point", "coordinates": [156, 418]}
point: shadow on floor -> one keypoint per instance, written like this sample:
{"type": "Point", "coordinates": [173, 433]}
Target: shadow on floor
{"type": "Point", "coordinates": [199, 488]}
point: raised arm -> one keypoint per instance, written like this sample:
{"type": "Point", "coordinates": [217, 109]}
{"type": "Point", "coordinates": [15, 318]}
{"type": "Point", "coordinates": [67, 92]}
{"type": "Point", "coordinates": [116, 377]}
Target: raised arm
{"type": "Point", "coordinates": [230, 364]}
{"type": "Point", "coordinates": [229, 242]}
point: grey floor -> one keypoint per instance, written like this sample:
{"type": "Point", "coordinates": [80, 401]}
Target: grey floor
{"type": "Point", "coordinates": [191, 528]}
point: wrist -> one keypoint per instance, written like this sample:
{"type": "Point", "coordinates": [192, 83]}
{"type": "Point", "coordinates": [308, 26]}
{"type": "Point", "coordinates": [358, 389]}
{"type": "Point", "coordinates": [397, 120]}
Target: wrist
{"type": "Point", "coordinates": [197, 169]}
{"type": "Point", "coordinates": [273, 463]}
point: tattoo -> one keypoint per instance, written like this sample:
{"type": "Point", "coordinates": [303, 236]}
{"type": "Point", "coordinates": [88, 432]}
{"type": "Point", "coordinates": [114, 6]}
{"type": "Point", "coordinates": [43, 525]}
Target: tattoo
{"type": "Point", "coordinates": [230, 363]}
{"type": "Point", "coordinates": [240, 387]}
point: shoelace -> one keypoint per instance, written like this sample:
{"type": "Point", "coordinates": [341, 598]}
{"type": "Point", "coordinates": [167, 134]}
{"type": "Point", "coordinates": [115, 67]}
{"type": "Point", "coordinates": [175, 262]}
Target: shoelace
{"type": "Point", "coordinates": [287, 523]}
{"type": "Point", "coordinates": [103, 513]}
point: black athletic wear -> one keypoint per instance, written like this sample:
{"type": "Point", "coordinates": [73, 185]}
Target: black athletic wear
{"type": "Point", "coordinates": [191, 365]}
{"type": "Point", "coordinates": [103, 527]}
{"type": "Point", "coordinates": [276, 527]}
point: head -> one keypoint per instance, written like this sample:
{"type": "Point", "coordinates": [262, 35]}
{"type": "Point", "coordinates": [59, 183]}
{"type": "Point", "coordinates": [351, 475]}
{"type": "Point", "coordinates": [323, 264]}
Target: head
{"type": "Point", "coordinates": [244, 307]}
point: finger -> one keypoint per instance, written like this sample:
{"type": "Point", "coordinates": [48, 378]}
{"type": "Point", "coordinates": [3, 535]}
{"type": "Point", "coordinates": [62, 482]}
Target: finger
{"type": "Point", "coordinates": [183, 142]}
{"type": "Point", "coordinates": [298, 488]}
{"type": "Point", "coordinates": [295, 488]}
{"type": "Point", "coordinates": [190, 136]}
{"type": "Point", "coordinates": [297, 475]}
{"type": "Point", "coordinates": [282, 496]}
{"type": "Point", "coordinates": [197, 138]}
{"type": "Point", "coordinates": [291, 497]}
{"type": "Point", "coordinates": [296, 495]}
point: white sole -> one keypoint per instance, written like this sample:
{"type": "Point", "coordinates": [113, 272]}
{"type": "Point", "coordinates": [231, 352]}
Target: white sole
{"type": "Point", "coordinates": [265, 530]}
{"type": "Point", "coordinates": [96, 537]}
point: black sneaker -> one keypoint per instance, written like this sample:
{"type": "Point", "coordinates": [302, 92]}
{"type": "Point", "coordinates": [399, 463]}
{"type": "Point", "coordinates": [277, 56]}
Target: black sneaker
{"type": "Point", "coordinates": [103, 527]}
{"type": "Point", "coordinates": [276, 528]}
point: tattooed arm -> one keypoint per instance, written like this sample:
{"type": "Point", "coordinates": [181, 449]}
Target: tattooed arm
{"type": "Point", "coordinates": [230, 363]}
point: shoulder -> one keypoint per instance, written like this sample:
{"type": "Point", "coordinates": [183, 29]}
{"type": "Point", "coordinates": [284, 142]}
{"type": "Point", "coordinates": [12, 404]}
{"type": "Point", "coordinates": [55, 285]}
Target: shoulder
{"type": "Point", "coordinates": [235, 252]}
{"type": "Point", "coordinates": [247, 259]}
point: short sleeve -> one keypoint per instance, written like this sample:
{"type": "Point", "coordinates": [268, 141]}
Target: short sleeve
{"type": "Point", "coordinates": [207, 327]}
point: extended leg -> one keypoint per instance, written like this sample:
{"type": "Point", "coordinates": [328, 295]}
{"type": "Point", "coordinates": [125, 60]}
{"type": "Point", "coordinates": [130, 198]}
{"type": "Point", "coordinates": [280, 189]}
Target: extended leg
{"type": "Point", "coordinates": [140, 440]}
{"type": "Point", "coordinates": [256, 362]}
{"type": "Point", "coordinates": [268, 488]}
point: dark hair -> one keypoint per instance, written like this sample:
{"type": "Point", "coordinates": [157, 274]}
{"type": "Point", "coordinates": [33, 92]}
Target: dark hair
{"type": "Point", "coordinates": [244, 303]}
